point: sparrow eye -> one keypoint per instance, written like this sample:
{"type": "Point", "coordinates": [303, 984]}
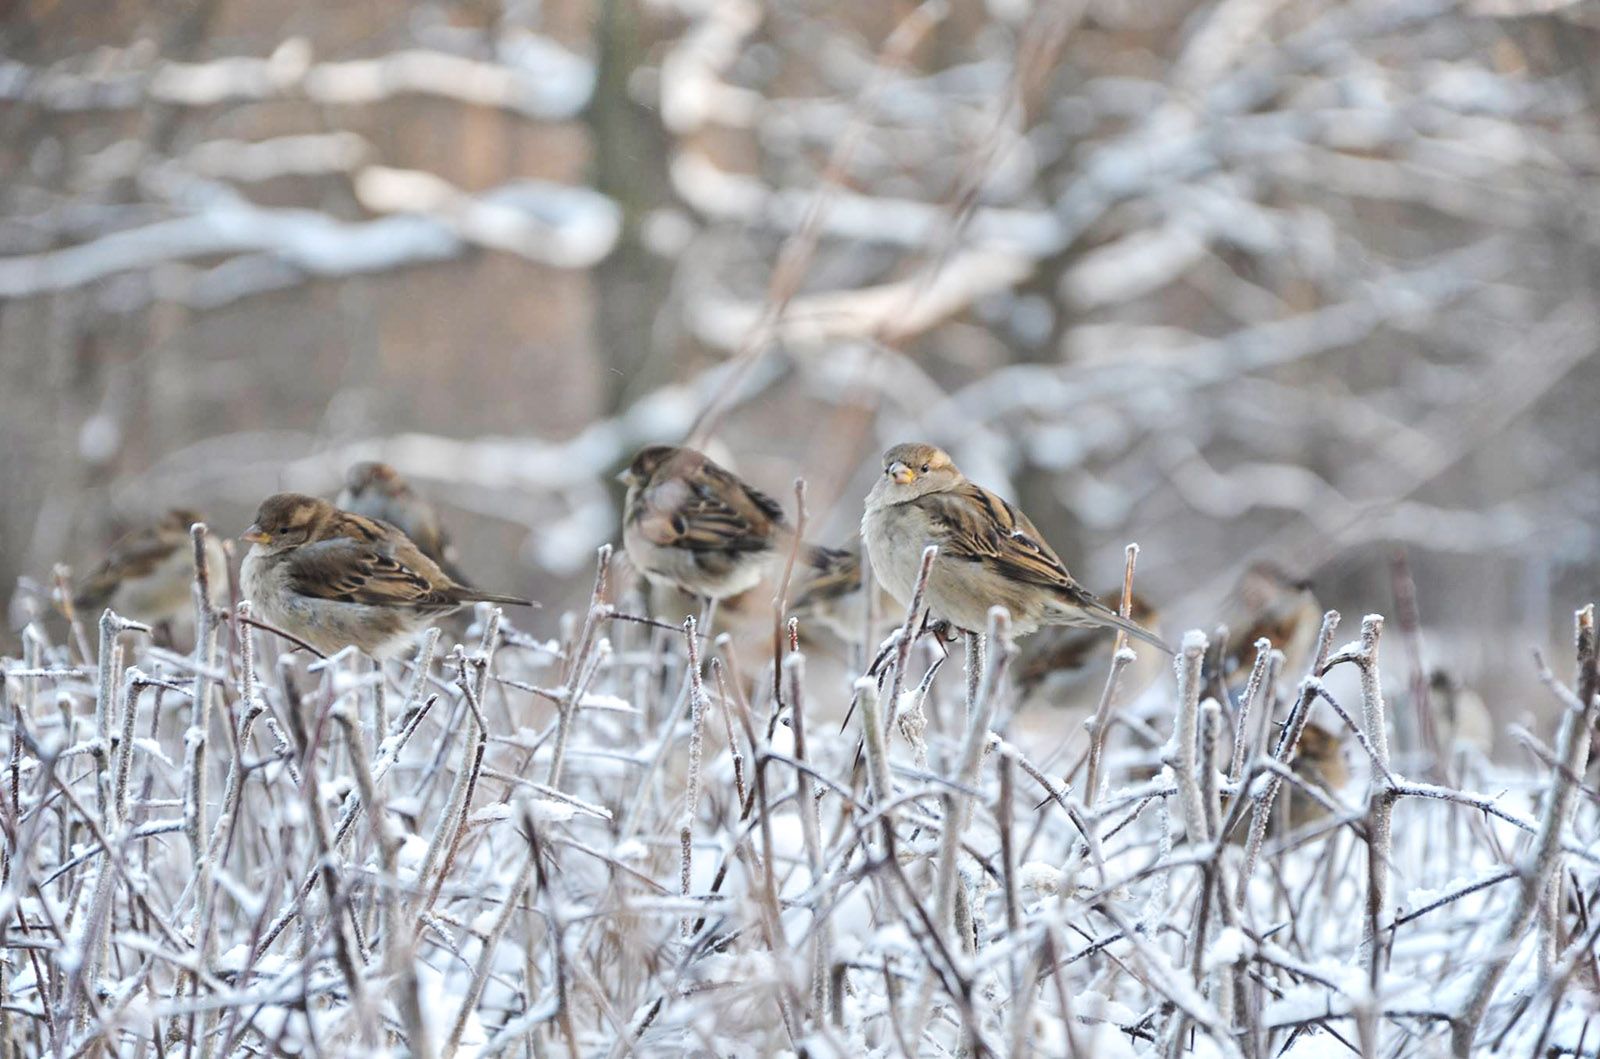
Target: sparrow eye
{"type": "Point", "coordinates": [924, 468]}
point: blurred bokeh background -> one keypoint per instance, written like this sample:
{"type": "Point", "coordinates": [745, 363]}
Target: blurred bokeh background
{"type": "Point", "coordinates": [1306, 281]}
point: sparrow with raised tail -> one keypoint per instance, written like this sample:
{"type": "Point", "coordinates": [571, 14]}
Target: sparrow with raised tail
{"type": "Point", "coordinates": [378, 491]}
{"type": "Point", "coordinates": [989, 552]}
{"type": "Point", "coordinates": [336, 579]}
{"type": "Point", "coordinates": [148, 574]}
{"type": "Point", "coordinates": [690, 523]}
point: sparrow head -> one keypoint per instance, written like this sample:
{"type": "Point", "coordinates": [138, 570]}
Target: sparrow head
{"type": "Point", "coordinates": [287, 520]}
{"type": "Point", "coordinates": [650, 459]}
{"type": "Point", "coordinates": [1264, 583]}
{"type": "Point", "coordinates": [915, 469]}
{"type": "Point", "coordinates": [374, 476]}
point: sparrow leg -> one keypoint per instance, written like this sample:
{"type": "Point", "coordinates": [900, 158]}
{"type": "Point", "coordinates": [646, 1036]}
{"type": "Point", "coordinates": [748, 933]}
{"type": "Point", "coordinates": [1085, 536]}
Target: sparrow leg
{"type": "Point", "coordinates": [885, 652]}
{"type": "Point", "coordinates": [941, 629]}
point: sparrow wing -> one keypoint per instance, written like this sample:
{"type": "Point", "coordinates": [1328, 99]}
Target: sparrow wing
{"type": "Point", "coordinates": [705, 508]}
{"type": "Point", "coordinates": [427, 532]}
{"type": "Point", "coordinates": [1277, 624]}
{"type": "Point", "coordinates": [833, 572]}
{"type": "Point", "coordinates": [134, 555]}
{"type": "Point", "coordinates": [412, 516]}
{"type": "Point", "coordinates": [377, 568]}
{"type": "Point", "coordinates": [978, 526]}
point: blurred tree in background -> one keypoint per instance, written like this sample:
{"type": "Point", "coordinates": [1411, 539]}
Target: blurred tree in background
{"type": "Point", "coordinates": [1299, 280]}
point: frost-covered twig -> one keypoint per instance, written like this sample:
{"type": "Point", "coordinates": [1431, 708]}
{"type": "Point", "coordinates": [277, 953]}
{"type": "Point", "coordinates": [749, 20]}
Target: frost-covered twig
{"type": "Point", "coordinates": [1543, 859]}
{"type": "Point", "coordinates": [577, 668]}
{"type": "Point", "coordinates": [1380, 809]}
{"type": "Point", "coordinates": [691, 794]}
{"type": "Point", "coordinates": [1100, 724]}
{"type": "Point", "coordinates": [1288, 742]}
{"type": "Point", "coordinates": [958, 809]}
{"type": "Point", "coordinates": [1186, 735]}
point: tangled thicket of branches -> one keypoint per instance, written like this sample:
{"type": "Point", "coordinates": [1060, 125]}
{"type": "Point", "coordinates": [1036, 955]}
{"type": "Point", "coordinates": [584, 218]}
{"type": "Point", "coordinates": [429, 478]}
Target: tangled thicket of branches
{"type": "Point", "coordinates": [629, 840]}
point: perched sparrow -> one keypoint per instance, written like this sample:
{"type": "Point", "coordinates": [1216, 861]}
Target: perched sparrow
{"type": "Point", "coordinates": [1268, 602]}
{"type": "Point", "coordinates": [1066, 666]}
{"type": "Point", "coordinates": [827, 591]}
{"type": "Point", "coordinates": [148, 575]}
{"type": "Point", "coordinates": [1319, 760]}
{"type": "Point", "coordinates": [689, 523]}
{"type": "Point", "coordinates": [376, 490]}
{"type": "Point", "coordinates": [335, 579]}
{"type": "Point", "coordinates": [989, 553]}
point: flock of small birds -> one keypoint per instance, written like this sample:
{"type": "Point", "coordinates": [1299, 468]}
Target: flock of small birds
{"type": "Point", "coordinates": [374, 567]}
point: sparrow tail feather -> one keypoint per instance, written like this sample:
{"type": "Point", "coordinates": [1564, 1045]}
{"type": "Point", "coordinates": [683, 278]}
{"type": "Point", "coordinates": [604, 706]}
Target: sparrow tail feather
{"type": "Point", "coordinates": [1110, 618]}
{"type": "Point", "coordinates": [475, 596]}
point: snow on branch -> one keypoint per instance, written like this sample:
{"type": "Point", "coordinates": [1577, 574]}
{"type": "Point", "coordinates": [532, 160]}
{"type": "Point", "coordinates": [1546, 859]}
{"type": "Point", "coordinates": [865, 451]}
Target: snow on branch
{"type": "Point", "coordinates": [537, 79]}
{"type": "Point", "coordinates": [551, 224]}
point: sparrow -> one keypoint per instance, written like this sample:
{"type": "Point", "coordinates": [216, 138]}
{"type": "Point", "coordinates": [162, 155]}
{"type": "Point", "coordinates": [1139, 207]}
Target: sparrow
{"type": "Point", "coordinates": [377, 490]}
{"type": "Point", "coordinates": [989, 552]}
{"type": "Point", "coordinates": [1066, 666]}
{"type": "Point", "coordinates": [148, 574]}
{"type": "Point", "coordinates": [689, 523]}
{"type": "Point", "coordinates": [1269, 602]}
{"type": "Point", "coordinates": [1319, 760]}
{"type": "Point", "coordinates": [827, 591]}
{"type": "Point", "coordinates": [336, 579]}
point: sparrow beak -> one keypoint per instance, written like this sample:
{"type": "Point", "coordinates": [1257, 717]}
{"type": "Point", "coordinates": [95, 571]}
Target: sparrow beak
{"type": "Point", "coordinates": [255, 535]}
{"type": "Point", "coordinates": [901, 474]}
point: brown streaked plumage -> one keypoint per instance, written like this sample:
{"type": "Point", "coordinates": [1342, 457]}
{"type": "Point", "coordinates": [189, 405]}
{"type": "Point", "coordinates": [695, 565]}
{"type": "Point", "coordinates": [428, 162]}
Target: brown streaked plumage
{"type": "Point", "coordinates": [1320, 758]}
{"type": "Point", "coordinates": [1270, 603]}
{"type": "Point", "coordinates": [830, 574]}
{"type": "Point", "coordinates": [1320, 761]}
{"type": "Point", "coordinates": [989, 552]}
{"type": "Point", "coordinates": [336, 579]}
{"type": "Point", "coordinates": [148, 574]}
{"type": "Point", "coordinates": [692, 524]}
{"type": "Point", "coordinates": [827, 591]}
{"type": "Point", "coordinates": [378, 491]}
